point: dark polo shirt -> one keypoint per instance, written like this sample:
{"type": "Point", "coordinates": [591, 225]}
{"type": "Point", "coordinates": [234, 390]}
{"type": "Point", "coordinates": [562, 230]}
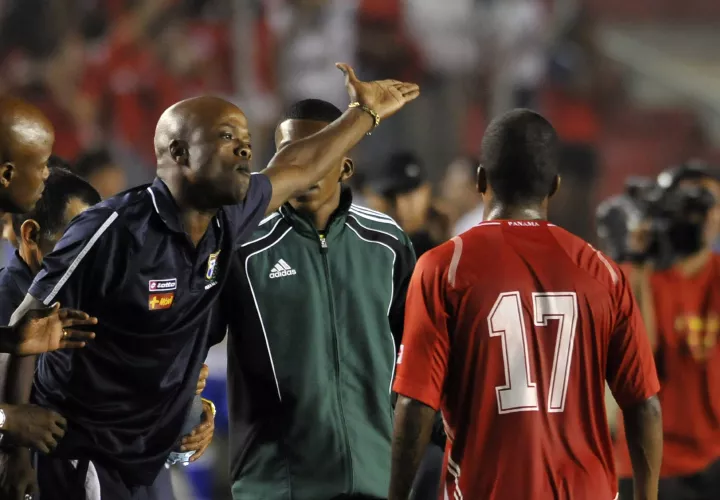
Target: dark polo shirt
{"type": "Point", "coordinates": [128, 262]}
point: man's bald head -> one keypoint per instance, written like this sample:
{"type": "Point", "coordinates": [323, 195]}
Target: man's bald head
{"type": "Point", "coordinates": [188, 118]}
{"type": "Point", "coordinates": [26, 141]}
{"type": "Point", "coordinates": [203, 151]}
{"type": "Point", "coordinates": [21, 124]}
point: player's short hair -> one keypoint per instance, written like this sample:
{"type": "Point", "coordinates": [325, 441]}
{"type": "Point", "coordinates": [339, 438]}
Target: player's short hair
{"type": "Point", "coordinates": [520, 156]}
{"type": "Point", "coordinates": [92, 161]}
{"type": "Point", "coordinates": [56, 161]}
{"type": "Point", "coordinates": [312, 109]}
{"type": "Point", "coordinates": [49, 212]}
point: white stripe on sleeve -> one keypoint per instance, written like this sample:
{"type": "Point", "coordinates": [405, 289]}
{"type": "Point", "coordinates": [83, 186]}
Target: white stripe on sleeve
{"type": "Point", "coordinates": [75, 263]}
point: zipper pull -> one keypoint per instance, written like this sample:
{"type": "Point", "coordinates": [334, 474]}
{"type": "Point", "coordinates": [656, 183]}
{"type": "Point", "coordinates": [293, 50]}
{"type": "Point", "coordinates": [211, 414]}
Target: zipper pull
{"type": "Point", "coordinates": [323, 243]}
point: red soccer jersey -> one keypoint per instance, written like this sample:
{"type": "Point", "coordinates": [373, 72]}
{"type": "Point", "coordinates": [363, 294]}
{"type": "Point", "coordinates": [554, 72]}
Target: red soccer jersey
{"type": "Point", "coordinates": [688, 323]}
{"type": "Point", "coordinates": [511, 330]}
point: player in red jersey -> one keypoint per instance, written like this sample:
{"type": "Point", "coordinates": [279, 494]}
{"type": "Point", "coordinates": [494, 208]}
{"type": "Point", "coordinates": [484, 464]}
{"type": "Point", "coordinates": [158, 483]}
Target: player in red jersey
{"type": "Point", "coordinates": [511, 329]}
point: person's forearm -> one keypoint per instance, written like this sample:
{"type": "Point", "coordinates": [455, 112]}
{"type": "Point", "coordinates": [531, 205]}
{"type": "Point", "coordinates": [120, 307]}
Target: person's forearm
{"type": "Point", "coordinates": [641, 288]}
{"type": "Point", "coordinates": [643, 429]}
{"type": "Point", "coordinates": [18, 386]}
{"type": "Point", "coordinates": [300, 165]}
{"type": "Point", "coordinates": [21, 369]}
{"type": "Point", "coordinates": [411, 435]}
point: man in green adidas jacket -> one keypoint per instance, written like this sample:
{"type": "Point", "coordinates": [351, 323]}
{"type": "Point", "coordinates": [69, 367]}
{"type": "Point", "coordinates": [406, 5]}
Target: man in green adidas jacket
{"type": "Point", "coordinates": [315, 307]}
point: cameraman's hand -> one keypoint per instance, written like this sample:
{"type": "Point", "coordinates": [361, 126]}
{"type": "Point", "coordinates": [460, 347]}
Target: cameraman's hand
{"type": "Point", "coordinates": [34, 427]}
{"type": "Point", "coordinates": [18, 477]}
{"type": "Point", "coordinates": [385, 97]}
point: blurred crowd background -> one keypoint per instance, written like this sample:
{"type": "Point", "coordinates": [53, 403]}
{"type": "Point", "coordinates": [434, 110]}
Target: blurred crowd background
{"type": "Point", "coordinates": [631, 86]}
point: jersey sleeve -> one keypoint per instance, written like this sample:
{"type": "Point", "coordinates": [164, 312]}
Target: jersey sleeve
{"type": "Point", "coordinates": [631, 372]}
{"type": "Point", "coordinates": [422, 362]}
{"type": "Point", "coordinates": [404, 265]}
{"type": "Point", "coordinates": [83, 262]}
{"type": "Point", "coordinates": [245, 217]}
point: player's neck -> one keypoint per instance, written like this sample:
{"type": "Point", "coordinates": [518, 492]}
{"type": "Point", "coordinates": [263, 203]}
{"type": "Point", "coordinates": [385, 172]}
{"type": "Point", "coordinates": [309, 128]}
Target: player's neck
{"type": "Point", "coordinates": [27, 257]}
{"type": "Point", "coordinates": [506, 212]}
{"type": "Point", "coordinates": [692, 265]}
{"type": "Point", "coordinates": [194, 220]}
{"type": "Point", "coordinates": [321, 216]}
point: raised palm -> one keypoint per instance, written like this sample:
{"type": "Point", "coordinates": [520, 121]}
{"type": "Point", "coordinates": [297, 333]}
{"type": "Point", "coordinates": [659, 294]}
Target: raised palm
{"type": "Point", "coordinates": [385, 97]}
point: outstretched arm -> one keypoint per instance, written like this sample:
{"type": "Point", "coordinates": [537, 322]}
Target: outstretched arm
{"type": "Point", "coordinates": [301, 164]}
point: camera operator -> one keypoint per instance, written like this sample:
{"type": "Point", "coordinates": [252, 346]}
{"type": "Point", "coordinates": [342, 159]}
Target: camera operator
{"type": "Point", "coordinates": [676, 280]}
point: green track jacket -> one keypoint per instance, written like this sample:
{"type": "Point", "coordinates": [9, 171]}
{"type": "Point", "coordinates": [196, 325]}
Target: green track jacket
{"type": "Point", "coordinates": [315, 323]}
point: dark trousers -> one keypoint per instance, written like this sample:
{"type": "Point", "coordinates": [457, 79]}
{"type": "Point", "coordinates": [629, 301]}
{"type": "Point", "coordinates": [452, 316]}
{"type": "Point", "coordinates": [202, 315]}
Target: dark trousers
{"type": "Point", "coordinates": [427, 481]}
{"type": "Point", "coordinates": [704, 485]}
{"type": "Point", "coordinates": [59, 480]}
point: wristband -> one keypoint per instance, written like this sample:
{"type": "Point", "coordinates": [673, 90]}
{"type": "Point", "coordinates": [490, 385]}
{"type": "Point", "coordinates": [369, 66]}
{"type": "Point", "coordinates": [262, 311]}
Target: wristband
{"type": "Point", "coordinates": [371, 112]}
{"type": "Point", "coordinates": [212, 405]}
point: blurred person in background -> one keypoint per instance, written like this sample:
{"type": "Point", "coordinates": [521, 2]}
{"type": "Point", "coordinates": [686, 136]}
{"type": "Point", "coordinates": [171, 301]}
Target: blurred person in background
{"type": "Point", "coordinates": [459, 193]}
{"type": "Point", "coordinates": [683, 319]}
{"type": "Point", "coordinates": [309, 36]}
{"type": "Point", "coordinates": [452, 43]}
{"type": "Point", "coordinates": [405, 193]}
{"type": "Point", "coordinates": [99, 169]}
{"type": "Point", "coordinates": [519, 53]}
{"type": "Point", "coordinates": [9, 241]}
{"type": "Point", "coordinates": [578, 92]}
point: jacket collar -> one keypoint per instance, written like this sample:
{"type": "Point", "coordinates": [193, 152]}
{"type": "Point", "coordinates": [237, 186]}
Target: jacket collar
{"type": "Point", "coordinates": [303, 225]}
{"type": "Point", "coordinates": [21, 273]}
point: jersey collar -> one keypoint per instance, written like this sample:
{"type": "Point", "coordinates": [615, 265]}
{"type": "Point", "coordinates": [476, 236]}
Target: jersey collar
{"type": "Point", "coordinates": [165, 205]}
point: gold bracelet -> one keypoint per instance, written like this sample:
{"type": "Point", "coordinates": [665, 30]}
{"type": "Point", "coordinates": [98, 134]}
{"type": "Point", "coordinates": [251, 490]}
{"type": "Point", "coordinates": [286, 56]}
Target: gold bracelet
{"type": "Point", "coordinates": [371, 112]}
{"type": "Point", "coordinates": [212, 405]}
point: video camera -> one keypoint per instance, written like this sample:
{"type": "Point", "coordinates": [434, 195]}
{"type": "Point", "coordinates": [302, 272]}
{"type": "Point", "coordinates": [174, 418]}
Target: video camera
{"type": "Point", "coordinates": [673, 210]}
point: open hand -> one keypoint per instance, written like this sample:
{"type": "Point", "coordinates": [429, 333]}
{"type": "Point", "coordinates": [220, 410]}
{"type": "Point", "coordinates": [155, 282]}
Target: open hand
{"type": "Point", "coordinates": [201, 436]}
{"type": "Point", "coordinates": [385, 97]}
{"type": "Point", "coordinates": [31, 426]}
{"type": "Point", "coordinates": [49, 329]}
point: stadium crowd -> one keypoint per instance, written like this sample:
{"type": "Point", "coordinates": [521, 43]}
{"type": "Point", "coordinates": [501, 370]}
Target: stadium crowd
{"type": "Point", "coordinates": [325, 327]}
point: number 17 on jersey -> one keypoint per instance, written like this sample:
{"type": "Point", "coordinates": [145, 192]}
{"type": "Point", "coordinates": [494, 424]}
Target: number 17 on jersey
{"type": "Point", "coordinates": [519, 393]}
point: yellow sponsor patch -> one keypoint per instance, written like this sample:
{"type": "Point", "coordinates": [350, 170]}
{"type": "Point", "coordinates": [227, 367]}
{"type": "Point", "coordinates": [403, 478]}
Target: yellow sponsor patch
{"type": "Point", "coordinates": [160, 301]}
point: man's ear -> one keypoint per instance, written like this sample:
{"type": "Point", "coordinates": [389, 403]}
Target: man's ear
{"type": "Point", "coordinates": [481, 183]}
{"type": "Point", "coordinates": [29, 233]}
{"type": "Point", "coordinates": [7, 171]}
{"type": "Point", "coordinates": [554, 186]}
{"type": "Point", "coordinates": [179, 152]}
{"type": "Point", "coordinates": [348, 169]}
